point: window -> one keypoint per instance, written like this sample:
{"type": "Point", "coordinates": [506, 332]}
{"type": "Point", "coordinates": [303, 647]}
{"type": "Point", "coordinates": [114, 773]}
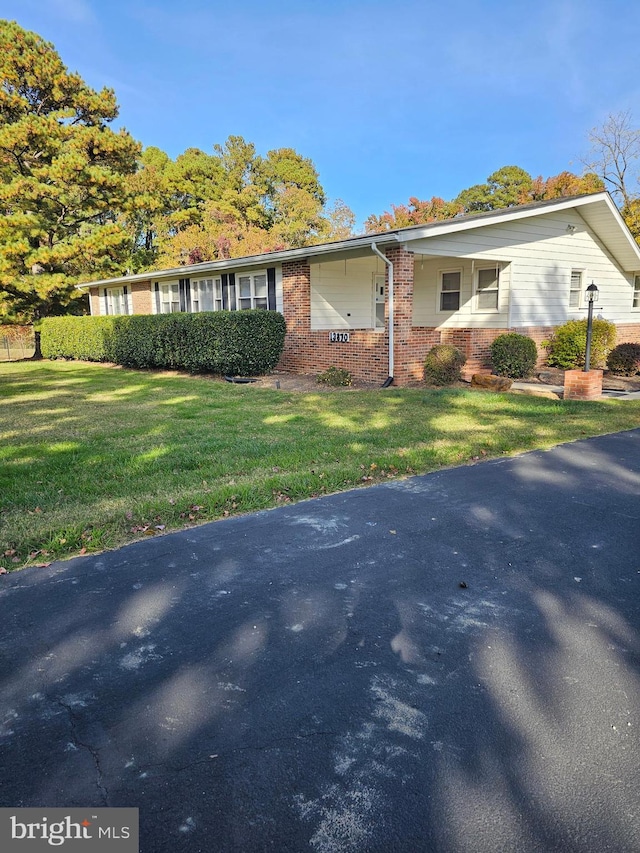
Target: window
{"type": "Point", "coordinates": [487, 281]}
{"type": "Point", "coordinates": [116, 301]}
{"type": "Point", "coordinates": [252, 291]}
{"type": "Point", "coordinates": [575, 289]}
{"type": "Point", "coordinates": [168, 298]}
{"type": "Point", "coordinates": [206, 295]}
{"type": "Point", "coordinates": [450, 290]}
{"type": "Point", "coordinates": [636, 291]}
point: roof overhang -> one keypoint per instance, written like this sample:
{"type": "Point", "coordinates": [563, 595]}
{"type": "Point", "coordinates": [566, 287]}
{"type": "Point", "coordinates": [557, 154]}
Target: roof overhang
{"type": "Point", "coordinates": [353, 245]}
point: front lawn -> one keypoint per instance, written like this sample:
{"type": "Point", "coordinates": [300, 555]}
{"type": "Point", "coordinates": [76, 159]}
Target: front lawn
{"type": "Point", "coordinates": [94, 456]}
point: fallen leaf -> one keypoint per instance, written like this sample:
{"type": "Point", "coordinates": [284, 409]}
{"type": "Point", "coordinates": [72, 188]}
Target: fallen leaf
{"type": "Point", "coordinates": [82, 551]}
{"type": "Point", "coordinates": [160, 526]}
{"type": "Point", "coordinates": [42, 565]}
{"type": "Point", "coordinates": [3, 571]}
{"type": "Point", "coordinates": [392, 531]}
{"type": "Point", "coordinates": [10, 552]}
{"type": "Point", "coordinates": [149, 532]}
{"type": "Point", "coordinates": [128, 515]}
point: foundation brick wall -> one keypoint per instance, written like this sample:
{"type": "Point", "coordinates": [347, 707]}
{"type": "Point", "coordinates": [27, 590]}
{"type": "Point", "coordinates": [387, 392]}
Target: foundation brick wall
{"type": "Point", "coordinates": [628, 333]}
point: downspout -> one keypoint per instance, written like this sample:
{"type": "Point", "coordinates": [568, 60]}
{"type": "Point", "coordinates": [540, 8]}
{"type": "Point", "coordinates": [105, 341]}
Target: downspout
{"type": "Point", "coordinates": [389, 380]}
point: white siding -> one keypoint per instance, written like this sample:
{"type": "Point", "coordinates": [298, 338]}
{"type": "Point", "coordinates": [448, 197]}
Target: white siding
{"type": "Point", "coordinates": [342, 293]}
{"type": "Point", "coordinates": [542, 253]}
{"type": "Point", "coordinates": [426, 295]}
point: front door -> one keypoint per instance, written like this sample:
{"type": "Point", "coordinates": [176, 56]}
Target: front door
{"type": "Point", "coordinates": [378, 300]}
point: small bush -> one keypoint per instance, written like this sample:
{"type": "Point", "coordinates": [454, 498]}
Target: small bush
{"type": "Point", "coordinates": [443, 363]}
{"type": "Point", "coordinates": [513, 355]}
{"type": "Point", "coordinates": [624, 360]}
{"type": "Point", "coordinates": [228, 342]}
{"type": "Point", "coordinates": [337, 377]}
{"type": "Point", "coordinates": [567, 346]}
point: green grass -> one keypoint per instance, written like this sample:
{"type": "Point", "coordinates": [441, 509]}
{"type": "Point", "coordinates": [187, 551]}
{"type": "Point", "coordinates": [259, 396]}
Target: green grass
{"type": "Point", "coordinates": [94, 456]}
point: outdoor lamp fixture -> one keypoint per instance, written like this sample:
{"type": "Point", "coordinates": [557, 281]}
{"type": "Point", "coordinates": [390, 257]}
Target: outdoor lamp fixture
{"type": "Point", "coordinates": [592, 296]}
{"type": "Point", "coordinates": [571, 228]}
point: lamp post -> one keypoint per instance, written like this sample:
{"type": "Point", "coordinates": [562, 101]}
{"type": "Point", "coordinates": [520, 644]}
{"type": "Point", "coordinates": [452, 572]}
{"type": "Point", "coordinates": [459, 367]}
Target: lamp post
{"type": "Point", "coordinates": [592, 296]}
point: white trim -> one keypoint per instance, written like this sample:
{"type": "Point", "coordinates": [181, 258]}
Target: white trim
{"type": "Point", "coordinates": [635, 290]}
{"type": "Point", "coordinates": [439, 291]}
{"type": "Point", "coordinates": [580, 305]}
{"type": "Point", "coordinates": [495, 268]}
{"type": "Point", "coordinates": [253, 298]}
{"type": "Point", "coordinates": [375, 280]}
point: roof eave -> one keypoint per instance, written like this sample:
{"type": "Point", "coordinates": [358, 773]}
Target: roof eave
{"type": "Point", "coordinates": [248, 261]}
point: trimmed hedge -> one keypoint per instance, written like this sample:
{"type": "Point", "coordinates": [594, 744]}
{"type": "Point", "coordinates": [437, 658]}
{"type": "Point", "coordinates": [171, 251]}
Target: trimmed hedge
{"type": "Point", "coordinates": [84, 338]}
{"type": "Point", "coordinates": [235, 343]}
{"type": "Point", "coordinates": [513, 355]}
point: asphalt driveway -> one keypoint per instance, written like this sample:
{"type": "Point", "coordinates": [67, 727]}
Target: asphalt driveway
{"type": "Point", "coordinates": [450, 663]}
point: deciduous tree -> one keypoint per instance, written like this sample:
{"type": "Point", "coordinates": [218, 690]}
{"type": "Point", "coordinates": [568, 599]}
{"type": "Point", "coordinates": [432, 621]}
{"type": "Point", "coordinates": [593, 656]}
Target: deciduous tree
{"type": "Point", "coordinates": [615, 156]}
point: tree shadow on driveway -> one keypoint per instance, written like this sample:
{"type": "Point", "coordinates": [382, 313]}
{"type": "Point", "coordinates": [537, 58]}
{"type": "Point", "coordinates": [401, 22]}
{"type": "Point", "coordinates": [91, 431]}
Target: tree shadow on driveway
{"type": "Point", "coordinates": [449, 663]}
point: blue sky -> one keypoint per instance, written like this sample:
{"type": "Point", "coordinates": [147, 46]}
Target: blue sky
{"type": "Point", "coordinates": [389, 100]}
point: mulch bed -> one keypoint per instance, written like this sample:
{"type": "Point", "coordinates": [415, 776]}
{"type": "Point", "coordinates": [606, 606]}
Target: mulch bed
{"type": "Point", "coordinates": [308, 383]}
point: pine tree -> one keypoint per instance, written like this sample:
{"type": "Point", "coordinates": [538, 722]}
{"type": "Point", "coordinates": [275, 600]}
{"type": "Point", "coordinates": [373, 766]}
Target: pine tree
{"type": "Point", "coordinates": [62, 173]}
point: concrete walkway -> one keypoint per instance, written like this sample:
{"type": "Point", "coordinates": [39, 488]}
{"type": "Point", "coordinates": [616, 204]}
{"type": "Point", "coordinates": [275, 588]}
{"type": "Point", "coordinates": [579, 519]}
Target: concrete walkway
{"type": "Point", "coordinates": [449, 664]}
{"type": "Point", "coordinates": [519, 385]}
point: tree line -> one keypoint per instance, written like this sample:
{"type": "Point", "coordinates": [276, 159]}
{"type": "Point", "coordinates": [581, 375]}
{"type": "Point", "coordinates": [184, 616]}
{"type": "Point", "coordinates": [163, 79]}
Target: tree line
{"type": "Point", "coordinates": [81, 201]}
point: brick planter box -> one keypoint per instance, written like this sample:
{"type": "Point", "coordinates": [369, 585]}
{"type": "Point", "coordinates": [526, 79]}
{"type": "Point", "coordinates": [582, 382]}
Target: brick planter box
{"type": "Point", "coordinates": [581, 385]}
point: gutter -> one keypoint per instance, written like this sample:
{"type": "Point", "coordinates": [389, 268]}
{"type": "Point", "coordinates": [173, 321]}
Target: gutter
{"type": "Point", "coordinates": [388, 381]}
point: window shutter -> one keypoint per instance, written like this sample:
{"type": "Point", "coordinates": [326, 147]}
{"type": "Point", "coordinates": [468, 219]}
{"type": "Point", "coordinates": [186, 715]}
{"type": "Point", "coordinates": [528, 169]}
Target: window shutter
{"type": "Point", "coordinates": [225, 291]}
{"type": "Point", "coordinates": [271, 288]}
{"type": "Point", "coordinates": [185, 292]}
{"type": "Point", "coordinates": [232, 291]}
{"type": "Point", "coordinates": [105, 302]}
{"type": "Point", "coordinates": [125, 299]}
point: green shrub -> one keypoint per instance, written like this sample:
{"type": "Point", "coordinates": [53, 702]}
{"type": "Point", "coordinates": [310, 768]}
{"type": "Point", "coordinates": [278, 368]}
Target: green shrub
{"type": "Point", "coordinates": [442, 364]}
{"type": "Point", "coordinates": [567, 346]}
{"type": "Point", "coordinates": [624, 360]}
{"type": "Point", "coordinates": [228, 342]}
{"type": "Point", "coordinates": [336, 377]}
{"type": "Point", "coordinates": [82, 338]}
{"type": "Point", "coordinates": [513, 355]}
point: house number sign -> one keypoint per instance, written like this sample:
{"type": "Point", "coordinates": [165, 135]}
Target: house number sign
{"type": "Point", "coordinates": [339, 337]}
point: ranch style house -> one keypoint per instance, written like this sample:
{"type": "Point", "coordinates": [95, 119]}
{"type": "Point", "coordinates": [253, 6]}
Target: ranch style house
{"type": "Point", "coordinates": [376, 304]}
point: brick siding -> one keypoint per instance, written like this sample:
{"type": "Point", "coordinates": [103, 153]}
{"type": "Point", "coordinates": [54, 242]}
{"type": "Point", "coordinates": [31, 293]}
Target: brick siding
{"type": "Point", "coordinates": [366, 353]}
{"type": "Point", "coordinates": [140, 298]}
